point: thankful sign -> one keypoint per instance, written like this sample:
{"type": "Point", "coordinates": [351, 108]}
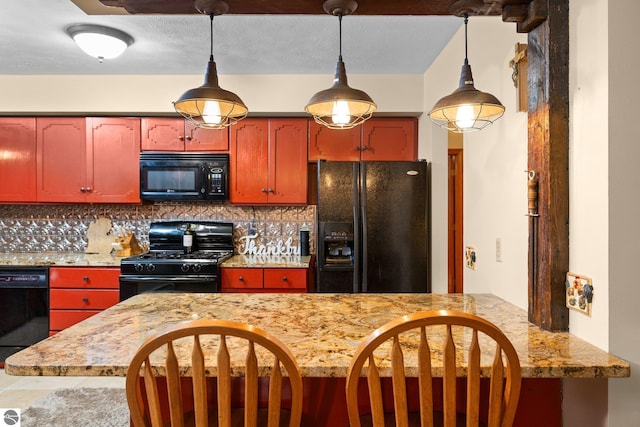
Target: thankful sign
{"type": "Point", "coordinates": [278, 247]}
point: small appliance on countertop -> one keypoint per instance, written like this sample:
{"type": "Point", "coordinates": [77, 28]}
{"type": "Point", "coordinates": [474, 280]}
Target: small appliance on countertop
{"type": "Point", "coordinates": [169, 266]}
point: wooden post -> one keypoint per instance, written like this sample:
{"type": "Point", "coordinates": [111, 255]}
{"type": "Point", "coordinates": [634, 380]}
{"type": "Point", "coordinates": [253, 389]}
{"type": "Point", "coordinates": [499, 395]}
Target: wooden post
{"type": "Point", "coordinates": [548, 87]}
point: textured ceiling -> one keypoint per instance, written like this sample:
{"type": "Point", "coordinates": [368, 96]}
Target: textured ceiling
{"type": "Point", "coordinates": [33, 41]}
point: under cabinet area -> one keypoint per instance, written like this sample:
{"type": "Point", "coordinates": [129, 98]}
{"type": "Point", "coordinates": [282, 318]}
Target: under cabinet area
{"type": "Point", "coordinates": [381, 139]}
{"type": "Point", "coordinates": [77, 293]}
{"type": "Point", "coordinates": [282, 280]}
{"type": "Point", "coordinates": [178, 134]}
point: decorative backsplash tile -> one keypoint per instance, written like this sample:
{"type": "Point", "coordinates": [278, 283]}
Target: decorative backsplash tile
{"type": "Point", "coordinates": [45, 228]}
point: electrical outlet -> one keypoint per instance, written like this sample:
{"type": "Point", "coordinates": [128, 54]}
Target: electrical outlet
{"type": "Point", "coordinates": [252, 228]}
{"type": "Point", "coordinates": [498, 249]}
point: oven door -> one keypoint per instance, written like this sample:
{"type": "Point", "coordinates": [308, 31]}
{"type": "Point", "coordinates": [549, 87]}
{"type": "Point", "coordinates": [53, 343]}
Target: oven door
{"type": "Point", "coordinates": [131, 285]}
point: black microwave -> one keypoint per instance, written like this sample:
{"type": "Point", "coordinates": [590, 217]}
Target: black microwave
{"type": "Point", "coordinates": [183, 176]}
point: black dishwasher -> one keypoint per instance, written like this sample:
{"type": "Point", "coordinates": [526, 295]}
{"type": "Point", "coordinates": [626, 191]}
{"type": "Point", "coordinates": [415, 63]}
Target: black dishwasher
{"type": "Point", "coordinates": [24, 308]}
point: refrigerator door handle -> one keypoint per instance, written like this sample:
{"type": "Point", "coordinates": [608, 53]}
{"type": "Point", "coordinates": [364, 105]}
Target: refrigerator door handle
{"type": "Point", "coordinates": [363, 224]}
{"type": "Point", "coordinates": [356, 228]}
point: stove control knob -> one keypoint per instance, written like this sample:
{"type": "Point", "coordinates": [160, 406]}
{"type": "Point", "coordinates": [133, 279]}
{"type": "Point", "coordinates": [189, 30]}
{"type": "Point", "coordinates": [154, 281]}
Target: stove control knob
{"type": "Point", "coordinates": [138, 267]}
{"type": "Point", "coordinates": [184, 268]}
{"type": "Point", "coordinates": [197, 268]}
{"type": "Point", "coordinates": [151, 267]}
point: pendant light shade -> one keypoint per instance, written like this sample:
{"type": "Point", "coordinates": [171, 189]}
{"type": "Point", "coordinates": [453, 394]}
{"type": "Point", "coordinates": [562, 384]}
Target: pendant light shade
{"type": "Point", "coordinates": [340, 106]}
{"type": "Point", "coordinates": [209, 106]}
{"type": "Point", "coordinates": [467, 109]}
{"type": "Point", "coordinates": [99, 41]}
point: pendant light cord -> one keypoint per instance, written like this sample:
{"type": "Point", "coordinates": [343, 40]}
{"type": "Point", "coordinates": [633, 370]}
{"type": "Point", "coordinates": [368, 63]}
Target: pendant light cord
{"type": "Point", "coordinates": [466, 21]}
{"type": "Point", "coordinates": [211, 33]}
{"type": "Point", "coordinates": [340, 36]}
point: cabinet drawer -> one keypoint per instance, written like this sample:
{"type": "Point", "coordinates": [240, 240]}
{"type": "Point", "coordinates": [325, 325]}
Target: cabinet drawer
{"type": "Point", "coordinates": [242, 278]}
{"type": "Point", "coordinates": [285, 278]}
{"type": "Point", "coordinates": [94, 277]}
{"type": "Point", "coordinates": [62, 319]}
{"type": "Point", "coordinates": [83, 299]}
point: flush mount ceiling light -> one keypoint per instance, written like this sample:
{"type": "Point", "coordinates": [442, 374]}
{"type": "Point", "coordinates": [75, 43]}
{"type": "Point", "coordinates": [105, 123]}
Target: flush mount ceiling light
{"type": "Point", "coordinates": [466, 109]}
{"type": "Point", "coordinates": [209, 106]}
{"type": "Point", "coordinates": [340, 107]}
{"type": "Point", "coordinates": [99, 41]}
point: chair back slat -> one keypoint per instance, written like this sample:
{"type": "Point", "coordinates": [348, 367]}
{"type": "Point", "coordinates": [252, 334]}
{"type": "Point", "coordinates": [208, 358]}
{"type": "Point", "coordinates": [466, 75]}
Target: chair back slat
{"type": "Point", "coordinates": [275, 389]}
{"type": "Point", "coordinates": [147, 411]}
{"type": "Point", "coordinates": [459, 347]}
{"type": "Point", "coordinates": [199, 383]}
{"type": "Point", "coordinates": [151, 388]}
{"type": "Point", "coordinates": [425, 380]}
{"type": "Point", "coordinates": [496, 389]}
{"type": "Point", "coordinates": [399, 384]}
{"type": "Point", "coordinates": [375, 395]}
{"type": "Point", "coordinates": [173, 387]}
{"type": "Point", "coordinates": [449, 379]}
{"type": "Point", "coordinates": [251, 388]}
{"type": "Point", "coordinates": [224, 384]}
{"type": "Point", "coordinates": [473, 381]}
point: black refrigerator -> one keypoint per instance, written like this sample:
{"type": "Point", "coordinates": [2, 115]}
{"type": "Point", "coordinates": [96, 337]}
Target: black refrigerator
{"type": "Point", "coordinates": [373, 227]}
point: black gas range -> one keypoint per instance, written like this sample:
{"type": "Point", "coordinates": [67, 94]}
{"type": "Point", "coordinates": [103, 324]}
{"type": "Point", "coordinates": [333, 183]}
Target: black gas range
{"type": "Point", "coordinates": [184, 256]}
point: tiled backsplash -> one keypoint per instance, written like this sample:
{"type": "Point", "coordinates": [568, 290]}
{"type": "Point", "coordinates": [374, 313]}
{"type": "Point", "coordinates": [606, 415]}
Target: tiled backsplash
{"type": "Point", "coordinates": [41, 228]}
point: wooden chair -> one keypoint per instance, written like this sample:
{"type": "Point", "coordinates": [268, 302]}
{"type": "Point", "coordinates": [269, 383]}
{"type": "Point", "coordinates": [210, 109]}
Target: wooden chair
{"type": "Point", "coordinates": [429, 334]}
{"type": "Point", "coordinates": [192, 343]}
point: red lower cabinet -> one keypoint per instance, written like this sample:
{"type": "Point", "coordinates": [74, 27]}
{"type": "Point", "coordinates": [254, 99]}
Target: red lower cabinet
{"type": "Point", "coordinates": [76, 293]}
{"type": "Point", "coordinates": [265, 280]}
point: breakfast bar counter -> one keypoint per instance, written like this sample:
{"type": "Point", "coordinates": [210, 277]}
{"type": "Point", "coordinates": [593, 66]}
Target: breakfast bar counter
{"type": "Point", "coordinates": [322, 331]}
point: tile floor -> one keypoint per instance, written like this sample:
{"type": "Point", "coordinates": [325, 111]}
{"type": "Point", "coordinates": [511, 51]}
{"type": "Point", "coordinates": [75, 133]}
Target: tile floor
{"type": "Point", "coordinates": [20, 392]}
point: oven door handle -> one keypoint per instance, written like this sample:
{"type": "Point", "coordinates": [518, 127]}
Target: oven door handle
{"type": "Point", "coordinates": [130, 278]}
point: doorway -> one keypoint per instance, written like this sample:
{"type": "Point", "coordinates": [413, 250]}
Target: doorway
{"type": "Point", "coordinates": [455, 222]}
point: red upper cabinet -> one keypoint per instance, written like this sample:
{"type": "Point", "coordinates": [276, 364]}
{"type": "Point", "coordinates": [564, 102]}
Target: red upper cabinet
{"type": "Point", "coordinates": [113, 160]}
{"type": "Point", "coordinates": [390, 139]}
{"type": "Point", "coordinates": [177, 134]}
{"type": "Point", "coordinates": [383, 139]}
{"type": "Point", "coordinates": [268, 161]}
{"type": "Point", "coordinates": [17, 159]}
{"type": "Point", "coordinates": [88, 160]}
{"type": "Point", "coordinates": [61, 157]}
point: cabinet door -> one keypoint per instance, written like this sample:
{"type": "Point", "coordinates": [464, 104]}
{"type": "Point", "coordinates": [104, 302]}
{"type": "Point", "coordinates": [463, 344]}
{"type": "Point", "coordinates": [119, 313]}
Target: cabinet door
{"type": "Point", "coordinates": [287, 161]}
{"type": "Point", "coordinates": [162, 134]}
{"type": "Point", "coordinates": [333, 144]}
{"type": "Point", "coordinates": [84, 277]}
{"type": "Point", "coordinates": [18, 160]}
{"type": "Point", "coordinates": [285, 279]}
{"type": "Point", "coordinates": [83, 299]}
{"type": "Point", "coordinates": [61, 159]}
{"type": "Point", "coordinates": [390, 139]}
{"type": "Point", "coordinates": [249, 161]}
{"type": "Point", "coordinates": [198, 139]}
{"type": "Point", "coordinates": [241, 278]}
{"type": "Point", "coordinates": [113, 160]}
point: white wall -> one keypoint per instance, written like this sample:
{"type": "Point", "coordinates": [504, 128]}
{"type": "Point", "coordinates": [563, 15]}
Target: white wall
{"type": "Point", "coordinates": [266, 94]}
{"type": "Point", "coordinates": [495, 184]}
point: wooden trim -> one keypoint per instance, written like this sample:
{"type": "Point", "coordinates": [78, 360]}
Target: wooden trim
{"type": "Point", "coordinates": [455, 221]}
{"type": "Point", "coordinates": [548, 87]}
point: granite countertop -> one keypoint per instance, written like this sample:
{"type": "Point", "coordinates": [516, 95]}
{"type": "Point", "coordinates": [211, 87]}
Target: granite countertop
{"type": "Point", "coordinates": [321, 330]}
{"type": "Point", "coordinates": [269, 261]}
{"type": "Point", "coordinates": [57, 259]}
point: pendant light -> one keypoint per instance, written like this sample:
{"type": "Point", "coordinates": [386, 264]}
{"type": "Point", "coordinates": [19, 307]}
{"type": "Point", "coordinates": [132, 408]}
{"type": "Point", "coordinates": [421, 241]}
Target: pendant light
{"type": "Point", "coordinates": [466, 109]}
{"type": "Point", "coordinates": [340, 107]}
{"type": "Point", "coordinates": [209, 106]}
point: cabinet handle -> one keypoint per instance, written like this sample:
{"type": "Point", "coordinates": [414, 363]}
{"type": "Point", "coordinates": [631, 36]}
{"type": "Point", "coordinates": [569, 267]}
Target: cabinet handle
{"type": "Point", "coordinates": [181, 138]}
{"type": "Point", "coordinates": [85, 300]}
{"type": "Point", "coordinates": [284, 278]}
{"type": "Point", "coordinates": [241, 279]}
{"type": "Point", "coordinates": [88, 189]}
{"type": "Point", "coordinates": [85, 278]}
{"type": "Point", "coordinates": [264, 190]}
{"type": "Point", "coordinates": [271, 190]}
{"type": "Point", "coordinates": [82, 189]}
{"type": "Point", "coordinates": [187, 138]}
{"type": "Point", "coordinates": [358, 148]}
{"type": "Point", "coordinates": [365, 148]}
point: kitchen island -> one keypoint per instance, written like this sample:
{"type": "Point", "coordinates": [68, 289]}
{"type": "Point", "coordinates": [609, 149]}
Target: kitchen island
{"type": "Point", "coordinates": [322, 331]}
